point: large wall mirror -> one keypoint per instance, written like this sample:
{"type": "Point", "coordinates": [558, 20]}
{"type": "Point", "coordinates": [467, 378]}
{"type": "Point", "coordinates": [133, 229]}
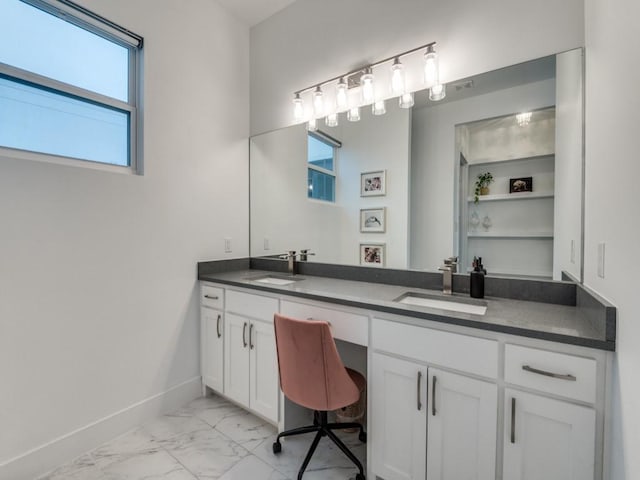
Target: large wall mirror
{"type": "Point", "coordinates": [399, 190]}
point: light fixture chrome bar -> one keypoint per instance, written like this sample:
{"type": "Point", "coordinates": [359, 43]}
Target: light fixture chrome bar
{"type": "Point", "coordinates": [360, 69]}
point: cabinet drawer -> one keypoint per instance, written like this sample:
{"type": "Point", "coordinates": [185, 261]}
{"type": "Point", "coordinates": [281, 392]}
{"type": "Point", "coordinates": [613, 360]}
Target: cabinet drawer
{"type": "Point", "coordinates": [250, 305]}
{"type": "Point", "coordinates": [551, 372]}
{"type": "Point", "coordinates": [447, 349]}
{"type": "Point", "coordinates": [347, 326]}
{"type": "Point", "coordinates": [212, 297]}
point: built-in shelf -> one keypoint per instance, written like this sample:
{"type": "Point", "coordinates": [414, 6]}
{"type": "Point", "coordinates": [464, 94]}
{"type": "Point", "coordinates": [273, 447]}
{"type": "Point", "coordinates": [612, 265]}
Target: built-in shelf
{"type": "Point", "coordinates": [485, 161]}
{"type": "Point", "coordinates": [511, 196]}
{"type": "Point", "coordinates": [542, 235]}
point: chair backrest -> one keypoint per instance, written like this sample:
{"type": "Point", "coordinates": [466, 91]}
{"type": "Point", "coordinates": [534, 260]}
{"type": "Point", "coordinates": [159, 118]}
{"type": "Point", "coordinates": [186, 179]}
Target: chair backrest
{"type": "Point", "coordinates": [311, 371]}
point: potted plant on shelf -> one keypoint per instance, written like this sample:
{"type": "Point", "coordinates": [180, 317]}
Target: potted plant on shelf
{"type": "Point", "coordinates": [482, 185]}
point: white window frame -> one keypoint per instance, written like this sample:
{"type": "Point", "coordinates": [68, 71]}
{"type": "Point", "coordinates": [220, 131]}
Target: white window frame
{"type": "Point", "coordinates": [83, 18]}
{"type": "Point", "coordinates": [335, 145]}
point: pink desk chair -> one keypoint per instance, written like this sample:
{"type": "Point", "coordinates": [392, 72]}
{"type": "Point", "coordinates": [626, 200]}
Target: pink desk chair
{"type": "Point", "coordinates": [312, 375]}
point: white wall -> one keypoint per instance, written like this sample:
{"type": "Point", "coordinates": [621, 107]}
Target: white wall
{"type": "Point", "coordinates": [282, 213]}
{"type": "Point", "coordinates": [98, 299]}
{"type": "Point", "coordinates": [311, 41]}
{"type": "Point", "coordinates": [434, 164]}
{"type": "Point", "coordinates": [612, 170]}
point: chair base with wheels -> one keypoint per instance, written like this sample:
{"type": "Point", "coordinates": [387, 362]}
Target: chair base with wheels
{"type": "Point", "coordinates": [324, 429]}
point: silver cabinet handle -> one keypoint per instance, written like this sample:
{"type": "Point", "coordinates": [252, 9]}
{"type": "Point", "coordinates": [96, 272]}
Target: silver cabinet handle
{"type": "Point", "coordinates": [560, 376]}
{"type": "Point", "coordinates": [419, 382]}
{"type": "Point", "coordinates": [244, 335]}
{"type": "Point", "coordinates": [212, 297]}
{"type": "Point", "coordinates": [250, 338]}
{"type": "Point", "coordinates": [218, 326]}
{"type": "Point", "coordinates": [513, 419]}
{"type": "Point", "coordinates": [433, 396]}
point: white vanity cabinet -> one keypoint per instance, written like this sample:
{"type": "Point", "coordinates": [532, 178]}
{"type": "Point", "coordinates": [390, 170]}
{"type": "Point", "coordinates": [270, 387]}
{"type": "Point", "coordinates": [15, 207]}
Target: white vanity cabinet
{"type": "Point", "coordinates": [212, 337]}
{"type": "Point", "coordinates": [429, 422]}
{"type": "Point", "coordinates": [250, 359]}
{"type": "Point", "coordinates": [545, 437]}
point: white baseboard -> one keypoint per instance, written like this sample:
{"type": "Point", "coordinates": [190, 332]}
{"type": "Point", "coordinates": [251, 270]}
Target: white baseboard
{"type": "Point", "coordinates": [44, 458]}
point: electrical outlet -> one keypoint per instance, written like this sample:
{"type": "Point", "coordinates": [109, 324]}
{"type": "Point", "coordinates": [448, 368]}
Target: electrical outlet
{"type": "Point", "coordinates": [266, 244]}
{"type": "Point", "coordinates": [601, 260]}
{"type": "Point", "coordinates": [573, 251]}
{"type": "Point", "coordinates": [227, 245]}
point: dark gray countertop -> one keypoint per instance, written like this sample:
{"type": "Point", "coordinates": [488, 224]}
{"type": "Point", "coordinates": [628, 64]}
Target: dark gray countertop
{"type": "Point", "coordinates": [559, 323]}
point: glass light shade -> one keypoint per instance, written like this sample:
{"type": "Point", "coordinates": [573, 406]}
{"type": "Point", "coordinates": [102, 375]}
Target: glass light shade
{"type": "Point", "coordinates": [312, 125]}
{"type": "Point", "coordinates": [318, 102]}
{"type": "Point", "coordinates": [378, 108]}
{"type": "Point", "coordinates": [406, 100]}
{"type": "Point", "coordinates": [342, 98]}
{"type": "Point", "coordinates": [437, 92]}
{"type": "Point", "coordinates": [353, 115]}
{"type": "Point", "coordinates": [298, 108]}
{"type": "Point", "coordinates": [397, 78]}
{"type": "Point", "coordinates": [367, 86]}
{"type": "Point", "coordinates": [331, 120]}
{"type": "Point", "coordinates": [523, 119]}
{"type": "Point", "coordinates": [431, 67]}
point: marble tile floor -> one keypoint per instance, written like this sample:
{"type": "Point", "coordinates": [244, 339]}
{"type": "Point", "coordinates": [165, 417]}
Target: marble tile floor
{"type": "Point", "coordinates": [210, 438]}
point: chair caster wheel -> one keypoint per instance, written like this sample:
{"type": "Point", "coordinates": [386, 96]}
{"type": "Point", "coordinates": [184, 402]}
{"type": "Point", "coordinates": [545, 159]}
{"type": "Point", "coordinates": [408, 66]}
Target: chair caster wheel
{"type": "Point", "coordinates": [277, 447]}
{"type": "Point", "coordinates": [359, 476]}
{"type": "Point", "coordinates": [363, 438]}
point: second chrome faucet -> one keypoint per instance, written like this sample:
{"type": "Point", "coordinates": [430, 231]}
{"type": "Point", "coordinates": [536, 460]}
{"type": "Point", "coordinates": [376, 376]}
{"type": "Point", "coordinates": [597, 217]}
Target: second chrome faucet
{"type": "Point", "coordinates": [448, 269]}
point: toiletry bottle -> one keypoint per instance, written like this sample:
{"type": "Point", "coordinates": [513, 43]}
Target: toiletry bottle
{"type": "Point", "coordinates": [477, 280]}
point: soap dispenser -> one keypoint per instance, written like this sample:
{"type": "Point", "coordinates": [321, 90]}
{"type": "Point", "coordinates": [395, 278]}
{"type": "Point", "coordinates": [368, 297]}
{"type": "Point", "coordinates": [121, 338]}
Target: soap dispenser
{"type": "Point", "coordinates": [477, 279]}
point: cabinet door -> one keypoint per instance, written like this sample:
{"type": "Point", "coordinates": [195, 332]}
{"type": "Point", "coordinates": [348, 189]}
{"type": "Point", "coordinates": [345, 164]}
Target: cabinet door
{"type": "Point", "coordinates": [398, 419]}
{"type": "Point", "coordinates": [212, 348]}
{"type": "Point", "coordinates": [462, 427]}
{"type": "Point", "coordinates": [547, 439]}
{"type": "Point", "coordinates": [236, 358]}
{"type": "Point", "coordinates": [264, 381]}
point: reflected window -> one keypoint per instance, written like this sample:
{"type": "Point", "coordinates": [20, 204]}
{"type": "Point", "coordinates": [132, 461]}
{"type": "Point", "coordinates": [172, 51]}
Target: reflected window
{"type": "Point", "coordinates": [321, 162]}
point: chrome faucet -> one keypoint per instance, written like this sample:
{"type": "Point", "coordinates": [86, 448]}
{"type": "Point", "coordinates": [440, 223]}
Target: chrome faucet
{"type": "Point", "coordinates": [448, 269]}
{"type": "Point", "coordinates": [291, 257]}
{"type": "Point", "coordinates": [303, 255]}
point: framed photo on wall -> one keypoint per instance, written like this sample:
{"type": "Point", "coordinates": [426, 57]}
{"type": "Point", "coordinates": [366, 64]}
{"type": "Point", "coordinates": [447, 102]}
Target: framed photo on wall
{"type": "Point", "coordinates": [373, 220]}
{"type": "Point", "coordinates": [372, 254]}
{"type": "Point", "coordinates": [522, 184]}
{"type": "Point", "coordinates": [373, 183]}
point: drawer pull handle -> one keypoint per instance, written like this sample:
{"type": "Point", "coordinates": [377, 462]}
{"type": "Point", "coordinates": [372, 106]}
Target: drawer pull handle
{"type": "Point", "coordinates": [212, 297]}
{"type": "Point", "coordinates": [244, 335]}
{"type": "Point", "coordinates": [433, 396]}
{"type": "Point", "coordinates": [218, 326]}
{"type": "Point", "coordinates": [250, 341]}
{"type": "Point", "coordinates": [419, 381]}
{"type": "Point", "coordinates": [560, 376]}
{"type": "Point", "coordinates": [513, 419]}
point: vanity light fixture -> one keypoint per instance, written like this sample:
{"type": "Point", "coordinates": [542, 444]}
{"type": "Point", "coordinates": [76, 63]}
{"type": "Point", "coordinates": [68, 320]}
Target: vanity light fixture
{"type": "Point", "coordinates": [312, 125]}
{"type": "Point", "coordinates": [523, 119]}
{"type": "Point", "coordinates": [378, 108]}
{"type": "Point", "coordinates": [437, 92]}
{"type": "Point", "coordinates": [406, 100]}
{"type": "Point", "coordinates": [363, 79]}
{"type": "Point", "coordinates": [331, 120]}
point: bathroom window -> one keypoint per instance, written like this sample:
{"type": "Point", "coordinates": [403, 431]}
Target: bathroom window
{"type": "Point", "coordinates": [321, 171]}
{"type": "Point", "coordinates": [69, 85]}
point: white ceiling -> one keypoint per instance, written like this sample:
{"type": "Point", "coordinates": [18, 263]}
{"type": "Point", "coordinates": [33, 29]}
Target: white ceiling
{"type": "Point", "coordinates": [253, 12]}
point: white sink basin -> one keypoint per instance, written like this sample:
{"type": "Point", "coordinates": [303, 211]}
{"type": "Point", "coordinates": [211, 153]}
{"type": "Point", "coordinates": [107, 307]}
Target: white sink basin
{"type": "Point", "coordinates": [422, 300]}
{"type": "Point", "coordinates": [275, 280]}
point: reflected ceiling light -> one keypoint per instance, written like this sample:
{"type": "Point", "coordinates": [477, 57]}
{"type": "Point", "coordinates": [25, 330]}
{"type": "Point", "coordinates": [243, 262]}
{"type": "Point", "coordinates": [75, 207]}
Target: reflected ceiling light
{"type": "Point", "coordinates": [523, 119]}
{"type": "Point", "coordinates": [406, 100]}
{"type": "Point", "coordinates": [366, 80]}
{"type": "Point", "coordinates": [342, 99]}
{"type": "Point", "coordinates": [312, 125]}
{"type": "Point", "coordinates": [298, 108]}
{"type": "Point", "coordinates": [318, 102]}
{"type": "Point", "coordinates": [361, 80]}
{"type": "Point", "coordinates": [437, 92]}
{"type": "Point", "coordinates": [431, 66]}
{"type": "Point", "coordinates": [378, 108]}
{"type": "Point", "coordinates": [331, 120]}
{"type": "Point", "coordinates": [397, 77]}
